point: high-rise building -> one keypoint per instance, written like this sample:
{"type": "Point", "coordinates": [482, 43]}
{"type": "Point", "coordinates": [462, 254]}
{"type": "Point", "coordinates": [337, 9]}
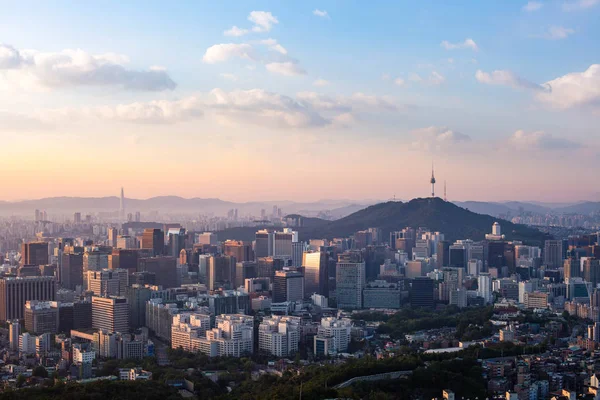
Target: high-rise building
{"type": "Point", "coordinates": [266, 267]}
{"type": "Point", "coordinates": [186, 327]}
{"type": "Point", "coordinates": [553, 253]}
{"type": "Point", "coordinates": [164, 268]}
{"type": "Point", "coordinates": [316, 279]}
{"type": "Point", "coordinates": [40, 317]}
{"type": "Point", "coordinates": [94, 259]}
{"type": "Point", "coordinates": [70, 273]}
{"type": "Point", "coordinates": [221, 272]}
{"type": "Point", "coordinates": [591, 270]}
{"type": "Point", "coordinates": [298, 249]}
{"type": "Point", "coordinates": [233, 336]}
{"type": "Point", "coordinates": [282, 243]}
{"type": "Point", "coordinates": [279, 335]}
{"type": "Point", "coordinates": [14, 292]}
{"type": "Point", "coordinates": [110, 314]}
{"type": "Point", "coordinates": [350, 280]}
{"type": "Point", "coordinates": [381, 294]}
{"type": "Point", "coordinates": [137, 296]}
{"type": "Point", "coordinates": [108, 282]}
{"type": "Point", "coordinates": [421, 295]}
{"type": "Point", "coordinates": [127, 242]}
{"type": "Point", "coordinates": [208, 238]}
{"type": "Point", "coordinates": [443, 254]}
{"type": "Point", "coordinates": [339, 332]}
{"type": "Point", "coordinates": [263, 245]}
{"type": "Point", "coordinates": [240, 250]}
{"type": "Point", "coordinates": [244, 270]}
{"type": "Point", "coordinates": [112, 236]}
{"type": "Point", "coordinates": [176, 241]}
{"type": "Point", "coordinates": [484, 287]}
{"type": "Point", "coordinates": [14, 331]}
{"type": "Point", "coordinates": [153, 239]}
{"type": "Point", "coordinates": [34, 253]}
{"type": "Point", "coordinates": [288, 286]}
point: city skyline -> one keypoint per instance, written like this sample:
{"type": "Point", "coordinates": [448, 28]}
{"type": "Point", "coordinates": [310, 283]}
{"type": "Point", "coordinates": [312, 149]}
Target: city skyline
{"type": "Point", "coordinates": [262, 94]}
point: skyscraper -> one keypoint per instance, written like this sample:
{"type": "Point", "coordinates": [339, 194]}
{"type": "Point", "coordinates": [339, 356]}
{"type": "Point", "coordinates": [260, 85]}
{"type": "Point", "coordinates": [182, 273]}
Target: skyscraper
{"type": "Point", "coordinates": [240, 250]}
{"type": "Point", "coordinates": [153, 239]}
{"type": "Point", "coordinates": [350, 280]}
{"type": "Point", "coordinates": [421, 295]}
{"type": "Point", "coordinates": [70, 273]}
{"type": "Point", "coordinates": [553, 250]}
{"type": "Point", "coordinates": [34, 253]}
{"type": "Point", "coordinates": [221, 272]}
{"type": "Point", "coordinates": [164, 268]}
{"type": "Point", "coordinates": [288, 286]}
{"type": "Point", "coordinates": [14, 292]}
{"type": "Point", "coordinates": [110, 313]}
{"type": "Point", "coordinates": [316, 279]}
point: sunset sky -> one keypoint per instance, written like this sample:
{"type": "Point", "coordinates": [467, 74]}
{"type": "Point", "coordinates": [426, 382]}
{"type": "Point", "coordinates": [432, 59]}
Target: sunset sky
{"type": "Point", "coordinates": [300, 100]}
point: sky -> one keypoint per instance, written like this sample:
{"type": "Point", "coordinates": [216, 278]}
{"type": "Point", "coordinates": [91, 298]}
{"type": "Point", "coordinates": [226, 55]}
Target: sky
{"type": "Point", "coordinates": [269, 100]}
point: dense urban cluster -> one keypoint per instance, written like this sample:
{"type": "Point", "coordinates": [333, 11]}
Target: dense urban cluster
{"type": "Point", "coordinates": [372, 314]}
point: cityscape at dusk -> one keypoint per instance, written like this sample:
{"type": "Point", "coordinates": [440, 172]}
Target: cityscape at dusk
{"type": "Point", "coordinates": [300, 200]}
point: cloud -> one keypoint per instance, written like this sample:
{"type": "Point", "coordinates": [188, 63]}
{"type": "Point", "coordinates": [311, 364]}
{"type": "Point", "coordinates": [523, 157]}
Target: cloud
{"type": "Point", "coordinates": [263, 21]}
{"type": "Point", "coordinates": [539, 140]}
{"type": "Point", "coordinates": [532, 6]}
{"type": "Point", "coordinates": [507, 78]}
{"type": "Point", "coordinates": [15, 122]}
{"type": "Point", "coordinates": [467, 44]}
{"type": "Point", "coordinates": [321, 13]}
{"type": "Point", "coordinates": [356, 102]}
{"type": "Point", "coordinates": [236, 32]}
{"type": "Point", "coordinates": [415, 78]}
{"type": "Point", "coordinates": [225, 51]}
{"type": "Point", "coordinates": [273, 45]}
{"type": "Point", "coordinates": [436, 79]}
{"type": "Point", "coordinates": [321, 83]}
{"type": "Point", "coordinates": [399, 82]}
{"type": "Point", "coordinates": [576, 89]}
{"type": "Point", "coordinates": [437, 138]}
{"type": "Point", "coordinates": [579, 5]}
{"type": "Point", "coordinates": [228, 76]}
{"type": "Point", "coordinates": [264, 108]}
{"type": "Point", "coordinates": [153, 112]}
{"type": "Point", "coordinates": [558, 32]}
{"type": "Point", "coordinates": [71, 68]}
{"type": "Point", "coordinates": [286, 68]}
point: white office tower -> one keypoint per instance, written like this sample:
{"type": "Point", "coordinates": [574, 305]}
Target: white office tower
{"type": "Point", "coordinates": [279, 335]}
{"type": "Point", "coordinates": [474, 267]}
{"type": "Point", "coordinates": [27, 343]}
{"type": "Point", "coordinates": [282, 243]}
{"type": "Point", "coordinates": [233, 336]}
{"type": "Point", "coordinates": [188, 326]}
{"type": "Point", "coordinates": [339, 330]}
{"type": "Point", "coordinates": [108, 282]}
{"type": "Point", "coordinates": [484, 287]}
{"type": "Point", "coordinates": [526, 287]}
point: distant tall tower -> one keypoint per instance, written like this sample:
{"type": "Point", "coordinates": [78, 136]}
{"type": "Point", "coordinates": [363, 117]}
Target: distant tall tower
{"type": "Point", "coordinates": [122, 205]}
{"type": "Point", "coordinates": [432, 182]}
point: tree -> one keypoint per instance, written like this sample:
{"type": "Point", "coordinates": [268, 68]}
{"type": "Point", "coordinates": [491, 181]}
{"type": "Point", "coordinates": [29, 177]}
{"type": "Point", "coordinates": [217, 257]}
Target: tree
{"type": "Point", "coordinates": [40, 371]}
{"type": "Point", "coordinates": [20, 380]}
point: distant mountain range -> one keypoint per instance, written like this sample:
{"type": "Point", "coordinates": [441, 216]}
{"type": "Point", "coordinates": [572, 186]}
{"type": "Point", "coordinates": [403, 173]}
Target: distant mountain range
{"type": "Point", "coordinates": [326, 208]}
{"type": "Point", "coordinates": [515, 207]}
{"type": "Point", "coordinates": [436, 214]}
{"type": "Point", "coordinates": [178, 205]}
